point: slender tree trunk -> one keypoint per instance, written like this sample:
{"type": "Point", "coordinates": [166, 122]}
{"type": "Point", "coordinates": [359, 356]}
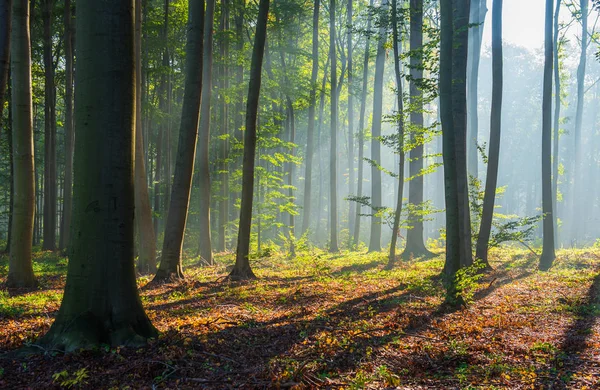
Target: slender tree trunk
{"type": "Point", "coordinates": [101, 304]}
{"type": "Point", "coordinates": [50, 178]}
{"type": "Point", "coordinates": [311, 120]}
{"type": "Point", "coordinates": [400, 113]}
{"type": "Point", "coordinates": [224, 143]}
{"type": "Point", "coordinates": [241, 269]}
{"type": "Point", "coordinates": [170, 265]}
{"type": "Point", "coordinates": [361, 128]}
{"type": "Point", "coordinates": [556, 127]}
{"type": "Point", "coordinates": [548, 253]}
{"type": "Point", "coordinates": [320, 208]}
{"type": "Point", "coordinates": [415, 245]}
{"type": "Point", "coordinates": [491, 180]}
{"type": "Point", "coordinates": [9, 133]}
{"type": "Point", "coordinates": [351, 173]}
{"type": "Point", "coordinates": [20, 268]}
{"type": "Point", "coordinates": [333, 217]}
{"type": "Point", "coordinates": [204, 243]}
{"type": "Point", "coordinates": [143, 212]}
{"type": "Point", "coordinates": [65, 229]}
{"type": "Point", "coordinates": [375, 240]}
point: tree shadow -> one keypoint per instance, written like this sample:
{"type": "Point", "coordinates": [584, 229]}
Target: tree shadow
{"type": "Point", "coordinates": [358, 268]}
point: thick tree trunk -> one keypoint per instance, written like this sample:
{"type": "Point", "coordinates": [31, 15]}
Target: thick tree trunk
{"type": "Point", "coordinates": [548, 254]}
{"type": "Point", "coordinates": [415, 245]}
{"type": "Point", "coordinates": [361, 128]}
{"type": "Point", "coordinates": [65, 226]}
{"type": "Point", "coordinates": [5, 26]}
{"type": "Point", "coordinates": [20, 269]}
{"type": "Point", "coordinates": [400, 114]}
{"type": "Point", "coordinates": [375, 240]}
{"type": "Point", "coordinates": [241, 269]}
{"type": "Point", "coordinates": [491, 180]}
{"type": "Point", "coordinates": [333, 217]}
{"type": "Point", "coordinates": [204, 242]}
{"type": "Point", "coordinates": [101, 304]}
{"type": "Point", "coordinates": [170, 265]}
{"type": "Point", "coordinates": [9, 137]}
{"type": "Point", "coordinates": [311, 120]}
{"type": "Point", "coordinates": [50, 178]}
{"type": "Point", "coordinates": [143, 212]}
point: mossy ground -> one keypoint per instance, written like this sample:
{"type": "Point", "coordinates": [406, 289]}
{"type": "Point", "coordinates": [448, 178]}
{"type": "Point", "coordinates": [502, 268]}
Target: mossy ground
{"type": "Point", "coordinates": [337, 321]}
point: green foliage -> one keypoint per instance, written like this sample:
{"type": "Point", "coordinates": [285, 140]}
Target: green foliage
{"type": "Point", "coordinates": [466, 282]}
{"type": "Point", "coordinates": [70, 380]}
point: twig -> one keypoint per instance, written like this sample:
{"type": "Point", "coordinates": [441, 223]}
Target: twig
{"type": "Point", "coordinates": [528, 247]}
{"type": "Point", "coordinates": [218, 356]}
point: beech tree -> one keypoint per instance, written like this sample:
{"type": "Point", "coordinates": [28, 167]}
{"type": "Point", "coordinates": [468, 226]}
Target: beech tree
{"type": "Point", "coordinates": [5, 26]}
{"type": "Point", "coordinates": [241, 269]}
{"type": "Point", "coordinates": [170, 263]}
{"type": "Point", "coordinates": [101, 304]}
{"type": "Point", "coordinates": [333, 225]}
{"type": "Point", "coordinates": [20, 268]}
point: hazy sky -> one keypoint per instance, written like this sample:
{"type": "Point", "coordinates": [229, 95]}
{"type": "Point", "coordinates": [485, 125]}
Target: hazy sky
{"type": "Point", "coordinates": [524, 22]}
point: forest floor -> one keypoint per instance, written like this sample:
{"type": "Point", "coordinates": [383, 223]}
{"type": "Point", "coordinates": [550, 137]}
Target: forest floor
{"type": "Point", "coordinates": [332, 321]}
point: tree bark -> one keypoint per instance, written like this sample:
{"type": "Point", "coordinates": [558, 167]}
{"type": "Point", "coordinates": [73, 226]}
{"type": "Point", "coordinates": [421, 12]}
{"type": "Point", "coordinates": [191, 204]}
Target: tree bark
{"type": "Point", "coordinates": [5, 26]}
{"type": "Point", "coordinates": [224, 142]}
{"type": "Point", "coordinates": [241, 269]}
{"type": "Point", "coordinates": [20, 268]}
{"type": "Point", "coordinates": [204, 243]}
{"type": "Point", "coordinates": [101, 304]}
{"type": "Point", "coordinates": [415, 245]}
{"type": "Point", "coordinates": [351, 173]}
{"type": "Point", "coordinates": [50, 178]}
{"type": "Point", "coordinates": [375, 240]}
{"type": "Point", "coordinates": [361, 127]}
{"type": "Point", "coordinates": [143, 212]}
{"type": "Point", "coordinates": [485, 228]}
{"type": "Point", "coordinates": [311, 120]}
{"type": "Point", "coordinates": [65, 229]}
{"type": "Point", "coordinates": [333, 224]}
{"type": "Point", "coordinates": [556, 128]}
{"type": "Point", "coordinates": [170, 265]}
{"type": "Point", "coordinates": [548, 254]}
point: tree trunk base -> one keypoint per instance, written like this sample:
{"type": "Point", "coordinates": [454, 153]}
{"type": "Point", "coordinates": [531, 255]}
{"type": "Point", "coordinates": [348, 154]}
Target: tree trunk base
{"type": "Point", "coordinates": [168, 276]}
{"type": "Point", "coordinates": [88, 332]}
{"type": "Point", "coordinates": [28, 282]}
{"type": "Point", "coordinates": [546, 261]}
{"type": "Point", "coordinates": [415, 253]}
{"type": "Point", "coordinates": [240, 274]}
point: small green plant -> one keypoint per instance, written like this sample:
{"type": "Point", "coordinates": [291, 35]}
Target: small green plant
{"type": "Point", "coordinates": [75, 379]}
{"type": "Point", "coordinates": [466, 282]}
{"type": "Point", "coordinates": [389, 379]}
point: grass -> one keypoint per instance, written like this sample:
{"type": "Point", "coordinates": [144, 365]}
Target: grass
{"type": "Point", "coordinates": [322, 320]}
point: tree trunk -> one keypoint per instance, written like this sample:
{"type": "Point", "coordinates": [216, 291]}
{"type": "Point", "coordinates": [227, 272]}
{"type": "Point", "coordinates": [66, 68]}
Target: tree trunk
{"type": "Point", "coordinates": [311, 120]}
{"type": "Point", "coordinates": [5, 25]}
{"type": "Point", "coordinates": [333, 224]}
{"type": "Point", "coordinates": [50, 178]}
{"type": "Point", "coordinates": [548, 253]}
{"type": "Point", "coordinates": [351, 173]}
{"type": "Point", "coordinates": [361, 128]}
{"type": "Point", "coordinates": [400, 114]}
{"type": "Point", "coordinates": [170, 265]}
{"type": "Point", "coordinates": [415, 245]}
{"type": "Point", "coordinates": [65, 229]}
{"type": "Point", "coordinates": [491, 179]}
{"type": "Point", "coordinates": [143, 212]}
{"type": "Point", "coordinates": [375, 240]}
{"type": "Point", "coordinates": [101, 304]}
{"type": "Point", "coordinates": [241, 269]}
{"type": "Point", "coordinates": [224, 142]}
{"type": "Point", "coordinates": [20, 268]}
{"type": "Point", "coordinates": [477, 19]}
{"type": "Point", "coordinates": [556, 127]}
{"type": "Point", "coordinates": [9, 137]}
{"type": "Point", "coordinates": [204, 243]}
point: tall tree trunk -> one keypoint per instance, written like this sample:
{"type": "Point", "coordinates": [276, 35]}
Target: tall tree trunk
{"type": "Point", "coordinates": [241, 269]}
{"type": "Point", "coordinates": [375, 240]}
{"type": "Point", "coordinates": [101, 304]}
{"type": "Point", "coordinates": [65, 229]}
{"type": "Point", "coordinates": [361, 127]}
{"type": "Point", "coordinates": [50, 178]}
{"type": "Point", "coordinates": [311, 120]}
{"type": "Point", "coordinates": [143, 212]}
{"type": "Point", "coordinates": [170, 264]}
{"type": "Point", "coordinates": [224, 116]}
{"type": "Point", "coordinates": [415, 245]}
{"type": "Point", "coordinates": [351, 173]}
{"type": "Point", "coordinates": [9, 137]}
{"type": "Point", "coordinates": [5, 25]}
{"type": "Point", "coordinates": [491, 179]}
{"type": "Point", "coordinates": [548, 254]}
{"type": "Point", "coordinates": [400, 113]}
{"type": "Point", "coordinates": [556, 127]}
{"type": "Point", "coordinates": [20, 268]}
{"type": "Point", "coordinates": [204, 243]}
{"type": "Point", "coordinates": [576, 214]}
{"type": "Point", "coordinates": [333, 224]}
{"type": "Point", "coordinates": [477, 19]}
